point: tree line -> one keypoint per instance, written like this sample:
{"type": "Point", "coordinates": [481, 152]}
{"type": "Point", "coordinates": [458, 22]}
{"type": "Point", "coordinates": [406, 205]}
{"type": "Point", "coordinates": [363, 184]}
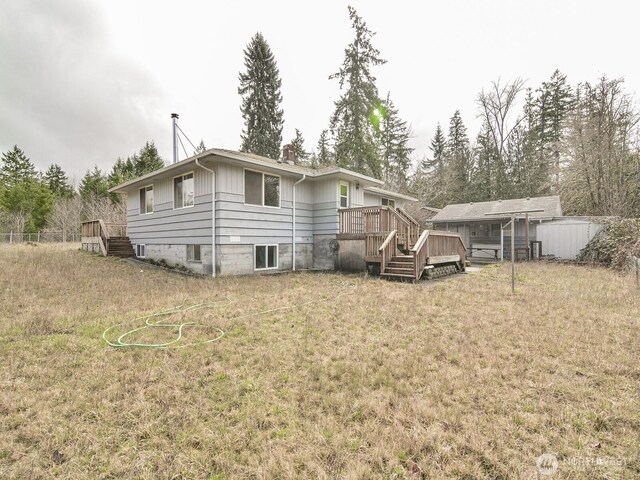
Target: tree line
{"type": "Point", "coordinates": [581, 142]}
{"type": "Point", "coordinates": [32, 201]}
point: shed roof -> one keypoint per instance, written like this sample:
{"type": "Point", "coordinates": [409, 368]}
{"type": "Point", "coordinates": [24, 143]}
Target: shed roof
{"type": "Point", "coordinates": [478, 210]}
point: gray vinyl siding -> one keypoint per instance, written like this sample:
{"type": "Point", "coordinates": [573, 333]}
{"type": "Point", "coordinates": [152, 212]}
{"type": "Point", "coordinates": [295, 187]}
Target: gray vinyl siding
{"type": "Point", "coordinates": [166, 225]}
{"type": "Point", "coordinates": [238, 223]}
{"type": "Point", "coordinates": [325, 207]}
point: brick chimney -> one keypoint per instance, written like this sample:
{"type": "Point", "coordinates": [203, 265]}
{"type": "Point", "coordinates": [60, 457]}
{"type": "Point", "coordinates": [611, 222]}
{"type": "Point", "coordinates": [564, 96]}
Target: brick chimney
{"type": "Point", "coordinates": [289, 155]}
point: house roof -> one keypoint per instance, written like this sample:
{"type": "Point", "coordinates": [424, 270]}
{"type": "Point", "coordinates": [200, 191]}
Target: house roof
{"type": "Point", "coordinates": [250, 160]}
{"type": "Point", "coordinates": [474, 211]}
{"type": "Point", "coordinates": [388, 193]}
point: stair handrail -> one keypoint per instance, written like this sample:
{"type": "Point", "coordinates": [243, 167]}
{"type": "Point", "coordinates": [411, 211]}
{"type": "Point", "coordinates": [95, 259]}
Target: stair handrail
{"type": "Point", "coordinates": [104, 238]}
{"type": "Point", "coordinates": [388, 249]}
{"type": "Point", "coordinates": [401, 224]}
{"type": "Point", "coordinates": [420, 253]}
{"type": "Point", "coordinates": [415, 226]}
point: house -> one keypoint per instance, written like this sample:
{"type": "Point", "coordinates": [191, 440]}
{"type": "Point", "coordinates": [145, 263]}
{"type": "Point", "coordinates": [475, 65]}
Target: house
{"type": "Point", "coordinates": [488, 235]}
{"type": "Point", "coordinates": [262, 215]}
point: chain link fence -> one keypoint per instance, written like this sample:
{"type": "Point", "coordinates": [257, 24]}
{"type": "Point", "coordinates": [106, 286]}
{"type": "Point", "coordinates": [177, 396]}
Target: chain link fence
{"type": "Point", "coordinates": [40, 237]}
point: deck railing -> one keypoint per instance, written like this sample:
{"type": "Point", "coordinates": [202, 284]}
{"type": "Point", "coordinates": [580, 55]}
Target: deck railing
{"type": "Point", "coordinates": [97, 232]}
{"type": "Point", "coordinates": [375, 219]}
{"type": "Point", "coordinates": [435, 243]}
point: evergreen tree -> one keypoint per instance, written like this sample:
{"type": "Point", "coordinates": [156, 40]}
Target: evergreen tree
{"type": "Point", "coordinates": [431, 186]}
{"type": "Point", "coordinates": [261, 98]}
{"type": "Point", "coordinates": [324, 154]}
{"type": "Point", "coordinates": [353, 123]}
{"type": "Point", "coordinates": [148, 160]}
{"type": "Point", "coordinates": [56, 179]}
{"type": "Point", "coordinates": [552, 105]}
{"type": "Point", "coordinates": [297, 143]}
{"type": "Point", "coordinates": [94, 183]}
{"type": "Point", "coordinates": [201, 148]}
{"type": "Point", "coordinates": [393, 136]}
{"type": "Point", "coordinates": [459, 162]}
{"type": "Point", "coordinates": [485, 162]}
{"type": "Point", "coordinates": [16, 168]}
{"type": "Point", "coordinates": [22, 194]}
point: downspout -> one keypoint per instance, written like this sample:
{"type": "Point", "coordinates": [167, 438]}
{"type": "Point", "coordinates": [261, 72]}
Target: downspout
{"type": "Point", "coordinates": [293, 230]}
{"type": "Point", "coordinates": [213, 217]}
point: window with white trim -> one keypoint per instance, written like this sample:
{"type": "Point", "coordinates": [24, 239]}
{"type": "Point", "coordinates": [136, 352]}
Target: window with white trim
{"type": "Point", "coordinates": [344, 195]}
{"type": "Point", "coordinates": [193, 253]}
{"type": "Point", "coordinates": [146, 200]}
{"type": "Point", "coordinates": [141, 250]}
{"type": "Point", "coordinates": [389, 202]}
{"type": "Point", "coordinates": [261, 189]}
{"type": "Point", "coordinates": [265, 257]}
{"type": "Point", "coordinates": [183, 191]}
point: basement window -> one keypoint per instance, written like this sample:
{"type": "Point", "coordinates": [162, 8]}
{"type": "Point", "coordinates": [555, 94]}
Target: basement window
{"type": "Point", "coordinates": [141, 250]}
{"type": "Point", "coordinates": [183, 193]}
{"type": "Point", "coordinates": [261, 189]}
{"type": "Point", "coordinates": [266, 257]}
{"type": "Point", "coordinates": [193, 253]}
{"type": "Point", "coordinates": [146, 200]}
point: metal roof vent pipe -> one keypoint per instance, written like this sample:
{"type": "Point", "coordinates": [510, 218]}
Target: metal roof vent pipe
{"type": "Point", "coordinates": [174, 123]}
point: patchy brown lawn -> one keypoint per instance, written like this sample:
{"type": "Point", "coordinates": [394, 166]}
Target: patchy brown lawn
{"type": "Point", "coordinates": [455, 379]}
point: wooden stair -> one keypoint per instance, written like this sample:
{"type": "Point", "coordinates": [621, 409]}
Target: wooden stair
{"type": "Point", "coordinates": [120, 247]}
{"type": "Point", "coordinates": [400, 267]}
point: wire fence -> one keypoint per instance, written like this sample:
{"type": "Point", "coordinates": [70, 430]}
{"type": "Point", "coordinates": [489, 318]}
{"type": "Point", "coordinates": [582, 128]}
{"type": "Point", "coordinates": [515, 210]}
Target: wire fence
{"type": "Point", "coordinates": [40, 237]}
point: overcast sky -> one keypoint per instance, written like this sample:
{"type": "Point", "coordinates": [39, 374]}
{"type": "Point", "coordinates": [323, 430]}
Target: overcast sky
{"type": "Point", "coordinates": [84, 82]}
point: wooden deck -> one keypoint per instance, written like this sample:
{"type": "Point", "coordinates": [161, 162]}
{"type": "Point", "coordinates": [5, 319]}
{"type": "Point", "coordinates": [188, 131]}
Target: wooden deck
{"type": "Point", "coordinates": [393, 240]}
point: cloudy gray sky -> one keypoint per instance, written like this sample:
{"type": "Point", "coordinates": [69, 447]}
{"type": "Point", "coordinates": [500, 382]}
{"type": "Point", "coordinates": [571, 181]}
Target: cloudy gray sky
{"type": "Point", "coordinates": [83, 82]}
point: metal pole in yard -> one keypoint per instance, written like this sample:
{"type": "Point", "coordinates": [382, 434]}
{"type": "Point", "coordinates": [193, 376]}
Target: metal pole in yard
{"type": "Point", "coordinates": [513, 252]}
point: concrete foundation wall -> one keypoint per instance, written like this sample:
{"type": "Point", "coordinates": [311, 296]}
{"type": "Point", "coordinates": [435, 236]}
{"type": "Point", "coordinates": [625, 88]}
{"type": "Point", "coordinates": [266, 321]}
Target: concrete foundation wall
{"type": "Point", "coordinates": [351, 256]}
{"type": "Point", "coordinates": [177, 255]}
{"type": "Point", "coordinates": [230, 259]}
{"type": "Point", "coordinates": [324, 256]}
{"type": "Point", "coordinates": [239, 259]}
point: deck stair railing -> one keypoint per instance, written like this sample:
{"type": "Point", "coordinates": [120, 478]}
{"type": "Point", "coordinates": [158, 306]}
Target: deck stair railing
{"type": "Point", "coordinates": [109, 237]}
{"type": "Point", "coordinates": [388, 250]}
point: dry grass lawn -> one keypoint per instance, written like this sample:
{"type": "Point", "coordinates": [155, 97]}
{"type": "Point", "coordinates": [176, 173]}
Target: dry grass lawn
{"type": "Point", "coordinates": [448, 379]}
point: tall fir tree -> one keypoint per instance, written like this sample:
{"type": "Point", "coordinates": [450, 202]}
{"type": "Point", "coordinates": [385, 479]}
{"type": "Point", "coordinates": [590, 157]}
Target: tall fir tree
{"type": "Point", "coordinates": [201, 148]}
{"type": "Point", "coordinates": [432, 188]}
{"type": "Point", "coordinates": [56, 179]}
{"type": "Point", "coordinates": [259, 88]}
{"type": "Point", "coordinates": [393, 137]}
{"type": "Point", "coordinates": [459, 162]}
{"type": "Point", "coordinates": [297, 143]}
{"type": "Point", "coordinates": [550, 110]}
{"type": "Point", "coordinates": [324, 154]}
{"type": "Point", "coordinates": [485, 162]}
{"type": "Point", "coordinates": [16, 168]}
{"type": "Point", "coordinates": [353, 123]}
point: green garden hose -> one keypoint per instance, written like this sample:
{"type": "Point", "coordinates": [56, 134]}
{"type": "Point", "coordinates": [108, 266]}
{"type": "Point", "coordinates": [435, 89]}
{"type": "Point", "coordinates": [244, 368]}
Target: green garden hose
{"type": "Point", "coordinates": [120, 343]}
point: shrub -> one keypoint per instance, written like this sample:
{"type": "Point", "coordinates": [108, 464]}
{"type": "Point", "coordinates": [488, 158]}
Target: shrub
{"type": "Point", "coordinates": [612, 245]}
